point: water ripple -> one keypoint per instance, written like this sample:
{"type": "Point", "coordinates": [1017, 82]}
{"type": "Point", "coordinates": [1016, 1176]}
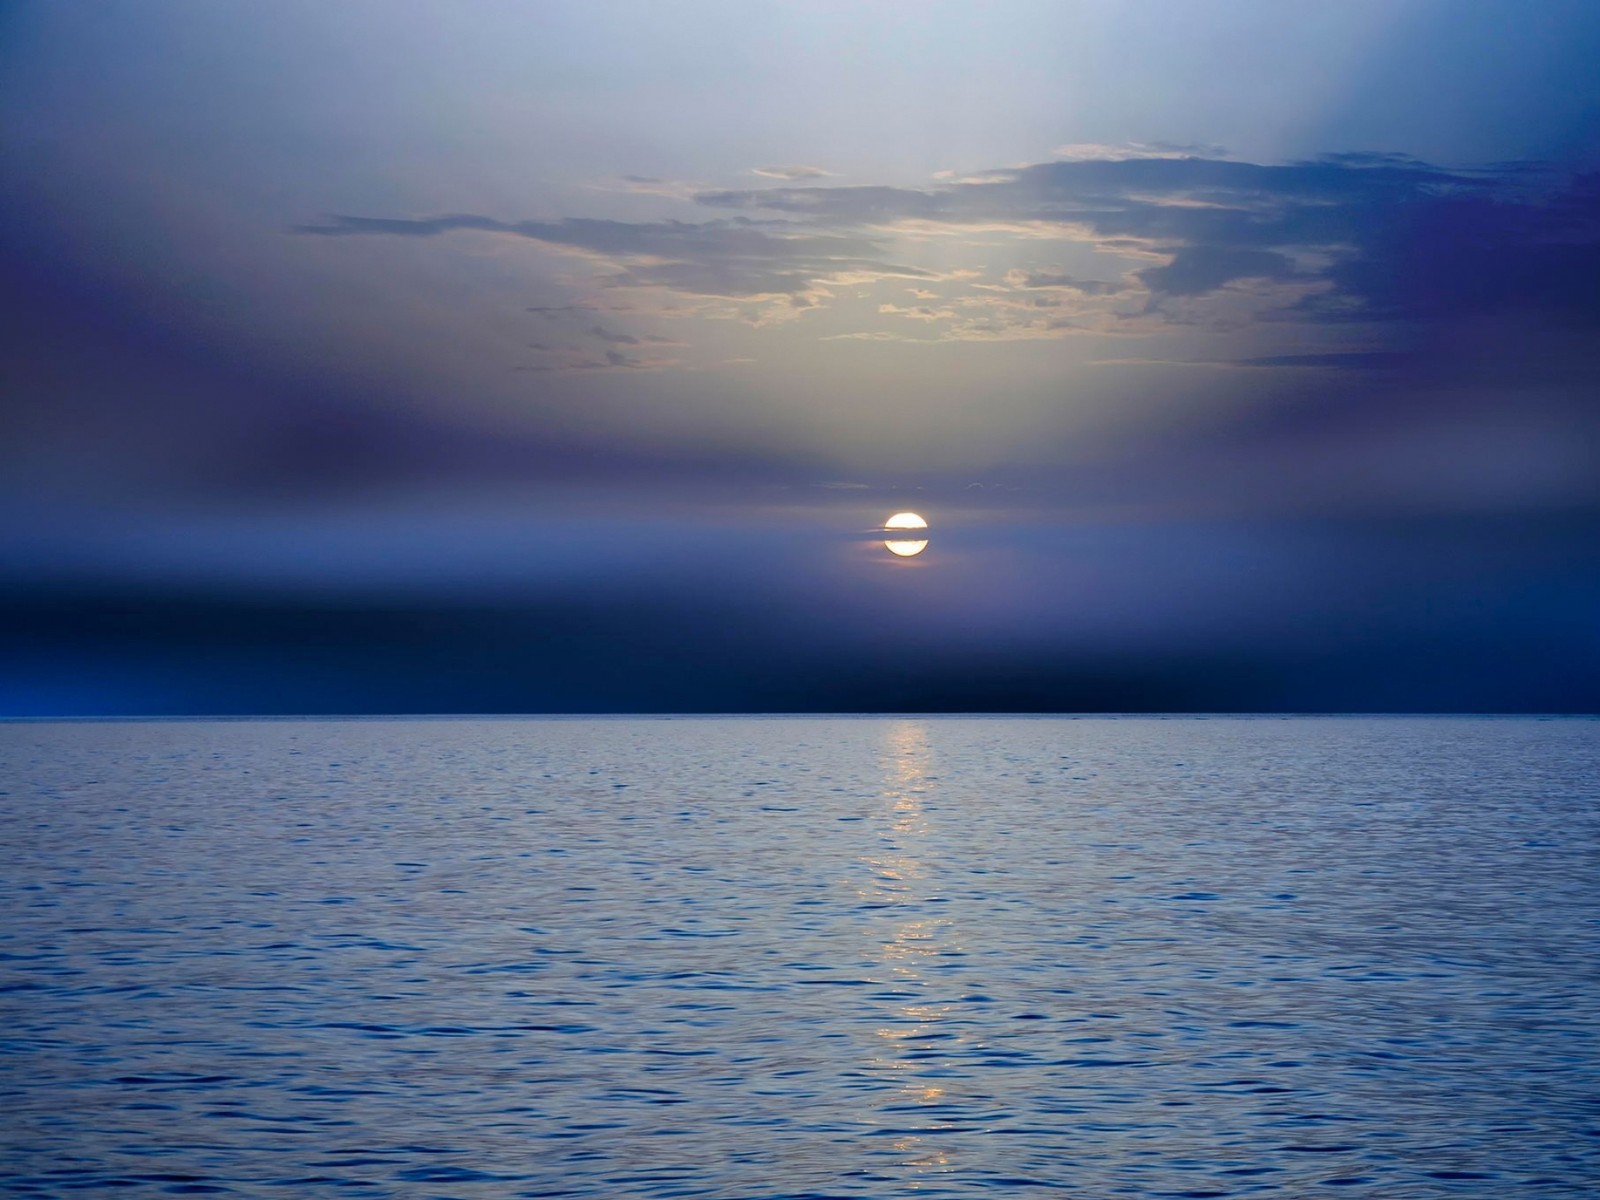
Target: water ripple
{"type": "Point", "coordinates": [753, 959]}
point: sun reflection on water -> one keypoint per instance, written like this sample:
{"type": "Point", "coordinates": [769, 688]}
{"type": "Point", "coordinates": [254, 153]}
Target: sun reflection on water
{"type": "Point", "coordinates": [911, 944]}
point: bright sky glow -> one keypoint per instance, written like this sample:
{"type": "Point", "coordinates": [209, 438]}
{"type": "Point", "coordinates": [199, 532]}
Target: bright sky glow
{"type": "Point", "coordinates": [1258, 332]}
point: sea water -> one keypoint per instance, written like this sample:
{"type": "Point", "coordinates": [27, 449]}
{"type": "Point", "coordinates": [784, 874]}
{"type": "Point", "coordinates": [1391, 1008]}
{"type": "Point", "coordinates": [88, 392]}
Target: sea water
{"type": "Point", "coordinates": [757, 958]}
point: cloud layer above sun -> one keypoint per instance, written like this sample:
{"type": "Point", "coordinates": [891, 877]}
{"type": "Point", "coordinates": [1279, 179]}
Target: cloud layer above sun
{"type": "Point", "coordinates": [1380, 241]}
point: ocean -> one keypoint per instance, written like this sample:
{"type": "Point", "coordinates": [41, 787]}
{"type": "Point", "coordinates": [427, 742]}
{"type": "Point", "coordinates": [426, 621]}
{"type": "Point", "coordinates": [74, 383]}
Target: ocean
{"type": "Point", "coordinates": [752, 958]}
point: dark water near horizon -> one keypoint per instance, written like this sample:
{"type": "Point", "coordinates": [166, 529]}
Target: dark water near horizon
{"type": "Point", "coordinates": [760, 958]}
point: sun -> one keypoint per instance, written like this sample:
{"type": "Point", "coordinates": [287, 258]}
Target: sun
{"type": "Point", "coordinates": [905, 548]}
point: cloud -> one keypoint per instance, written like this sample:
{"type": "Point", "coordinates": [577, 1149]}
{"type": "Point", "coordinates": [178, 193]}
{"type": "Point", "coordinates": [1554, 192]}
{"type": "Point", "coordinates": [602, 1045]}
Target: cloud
{"type": "Point", "coordinates": [736, 258]}
{"type": "Point", "coordinates": [1184, 201]}
{"type": "Point", "coordinates": [568, 361]}
{"type": "Point", "coordinates": [1102, 151]}
{"type": "Point", "coordinates": [792, 173]}
{"type": "Point", "coordinates": [1333, 360]}
{"type": "Point", "coordinates": [1345, 360]}
{"type": "Point", "coordinates": [1376, 239]}
{"type": "Point", "coordinates": [618, 351]}
{"type": "Point", "coordinates": [918, 312]}
{"type": "Point", "coordinates": [1388, 237]}
{"type": "Point", "coordinates": [558, 310]}
{"type": "Point", "coordinates": [1196, 270]}
{"type": "Point", "coordinates": [1058, 279]}
{"type": "Point", "coordinates": [650, 185]}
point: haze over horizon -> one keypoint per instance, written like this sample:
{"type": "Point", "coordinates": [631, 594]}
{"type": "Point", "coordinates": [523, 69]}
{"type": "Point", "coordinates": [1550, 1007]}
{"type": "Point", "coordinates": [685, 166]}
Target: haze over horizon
{"type": "Point", "coordinates": [564, 357]}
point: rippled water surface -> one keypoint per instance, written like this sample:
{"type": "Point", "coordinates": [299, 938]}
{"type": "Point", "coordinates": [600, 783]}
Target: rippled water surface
{"type": "Point", "coordinates": [802, 957]}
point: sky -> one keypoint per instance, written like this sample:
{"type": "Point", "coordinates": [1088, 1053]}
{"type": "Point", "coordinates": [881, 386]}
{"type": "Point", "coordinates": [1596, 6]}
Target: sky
{"type": "Point", "coordinates": [568, 357]}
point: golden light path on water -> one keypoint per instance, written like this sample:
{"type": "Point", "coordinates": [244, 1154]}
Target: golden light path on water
{"type": "Point", "coordinates": [905, 548]}
{"type": "Point", "coordinates": [912, 944]}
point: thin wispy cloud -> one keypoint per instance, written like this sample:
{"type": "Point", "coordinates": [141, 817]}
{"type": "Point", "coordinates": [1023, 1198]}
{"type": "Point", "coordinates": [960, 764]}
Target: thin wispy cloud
{"type": "Point", "coordinates": [1061, 279]}
{"type": "Point", "coordinates": [1335, 360]}
{"type": "Point", "coordinates": [791, 173]}
{"type": "Point", "coordinates": [736, 258]}
{"type": "Point", "coordinates": [564, 360]}
{"type": "Point", "coordinates": [1074, 151]}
